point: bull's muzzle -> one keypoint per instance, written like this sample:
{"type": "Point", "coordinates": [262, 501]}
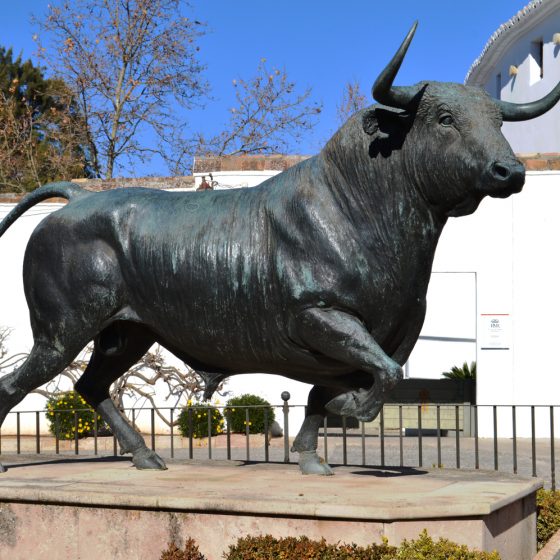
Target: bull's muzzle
{"type": "Point", "coordinates": [506, 178]}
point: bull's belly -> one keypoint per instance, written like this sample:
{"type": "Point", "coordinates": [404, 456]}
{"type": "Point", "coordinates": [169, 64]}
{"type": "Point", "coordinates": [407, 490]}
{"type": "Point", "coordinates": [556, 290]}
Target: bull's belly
{"type": "Point", "coordinates": [236, 342]}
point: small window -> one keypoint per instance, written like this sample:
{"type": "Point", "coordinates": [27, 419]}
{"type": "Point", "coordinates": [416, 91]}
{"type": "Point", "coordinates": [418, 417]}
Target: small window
{"type": "Point", "coordinates": [536, 60]}
{"type": "Point", "coordinates": [498, 86]}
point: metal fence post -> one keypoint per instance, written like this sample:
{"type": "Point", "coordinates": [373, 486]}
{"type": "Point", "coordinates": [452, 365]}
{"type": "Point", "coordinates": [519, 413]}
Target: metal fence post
{"type": "Point", "coordinates": [467, 420]}
{"type": "Point", "coordinates": [37, 433]}
{"type": "Point", "coordinates": [18, 433]}
{"type": "Point", "coordinates": [344, 442]}
{"type": "Point", "coordinates": [247, 435]}
{"type": "Point", "coordinates": [76, 434]}
{"type": "Point", "coordinates": [266, 434]}
{"type": "Point", "coordinates": [153, 428]}
{"type": "Point", "coordinates": [552, 453]}
{"type": "Point", "coordinates": [286, 410]}
{"type": "Point", "coordinates": [171, 442]}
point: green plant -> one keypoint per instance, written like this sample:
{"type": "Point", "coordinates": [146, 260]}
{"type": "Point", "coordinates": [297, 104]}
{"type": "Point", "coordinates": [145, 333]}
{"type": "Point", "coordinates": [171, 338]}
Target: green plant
{"type": "Point", "coordinates": [199, 414]}
{"type": "Point", "coordinates": [463, 372]}
{"type": "Point", "coordinates": [191, 552]}
{"type": "Point", "coordinates": [62, 412]}
{"type": "Point", "coordinates": [236, 411]}
{"type": "Point", "coordinates": [424, 548]}
{"type": "Point", "coordinates": [291, 548]}
{"type": "Point", "coordinates": [548, 515]}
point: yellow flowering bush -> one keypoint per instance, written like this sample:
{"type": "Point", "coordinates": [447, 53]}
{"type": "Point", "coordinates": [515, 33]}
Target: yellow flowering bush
{"type": "Point", "coordinates": [200, 414]}
{"type": "Point", "coordinates": [61, 417]}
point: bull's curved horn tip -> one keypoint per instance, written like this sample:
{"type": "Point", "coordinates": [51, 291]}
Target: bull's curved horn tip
{"type": "Point", "coordinates": [383, 90]}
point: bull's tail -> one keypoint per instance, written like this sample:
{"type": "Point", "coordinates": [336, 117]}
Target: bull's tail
{"type": "Point", "coordinates": [62, 190]}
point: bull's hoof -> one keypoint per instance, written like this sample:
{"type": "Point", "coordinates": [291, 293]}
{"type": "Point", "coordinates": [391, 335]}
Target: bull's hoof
{"type": "Point", "coordinates": [363, 405]}
{"type": "Point", "coordinates": [311, 463]}
{"type": "Point", "coordinates": [145, 459]}
{"type": "Point", "coordinates": [2, 468]}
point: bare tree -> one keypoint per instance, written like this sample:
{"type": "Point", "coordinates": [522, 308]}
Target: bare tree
{"type": "Point", "coordinates": [352, 101]}
{"type": "Point", "coordinates": [129, 62]}
{"type": "Point", "coordinates": [37, 147]}
{"type": "Point", "coordinates": [7, 363]}
{"type": "Point", "coordinates": [139, 382]}
{"type": "Point", "coordinates": [269, 115]}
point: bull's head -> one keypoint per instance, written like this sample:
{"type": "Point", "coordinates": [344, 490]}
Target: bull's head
{"type": "Point", "coordinates": [455, 150]}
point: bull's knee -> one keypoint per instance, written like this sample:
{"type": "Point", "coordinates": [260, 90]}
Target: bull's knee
{"type": "Point", "coordinates": [392, 375]}
{"type": "Point", "coordinates": [9, 388]}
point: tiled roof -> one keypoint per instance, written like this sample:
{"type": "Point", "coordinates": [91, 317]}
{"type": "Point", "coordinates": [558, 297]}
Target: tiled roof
{"type": "Point", "coordinates": [518, 18]}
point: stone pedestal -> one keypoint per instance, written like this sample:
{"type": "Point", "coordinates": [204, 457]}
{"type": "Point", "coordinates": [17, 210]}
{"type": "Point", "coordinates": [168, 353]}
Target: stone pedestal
{"type": "Point", "coordinates": [91, 509]}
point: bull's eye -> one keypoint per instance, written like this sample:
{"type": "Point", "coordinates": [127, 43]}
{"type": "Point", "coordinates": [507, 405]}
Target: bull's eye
{"type": "Point", "coordinates": [446, 120]}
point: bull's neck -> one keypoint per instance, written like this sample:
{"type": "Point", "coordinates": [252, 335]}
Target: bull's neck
{"type": "Point", "coordinates": [377, 195]}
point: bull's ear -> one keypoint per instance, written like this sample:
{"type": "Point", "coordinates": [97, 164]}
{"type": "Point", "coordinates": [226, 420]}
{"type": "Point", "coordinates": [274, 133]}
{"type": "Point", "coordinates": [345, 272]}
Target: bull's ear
{"type": "Point", "coordinates": [387, 127]}
{"type": "Point", "coordinates": [369, 122]}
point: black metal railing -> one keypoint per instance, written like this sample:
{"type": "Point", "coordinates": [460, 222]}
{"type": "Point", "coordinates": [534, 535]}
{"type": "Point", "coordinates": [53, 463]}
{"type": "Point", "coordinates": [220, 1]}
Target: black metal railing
{"type": "Point", "coordinates": [515, 439]}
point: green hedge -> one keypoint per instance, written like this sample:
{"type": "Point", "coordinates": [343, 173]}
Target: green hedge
{"type": "Point", "coordinates": [236, 413]}
{"type": "Point", "coordinates": [200, 421]}
{"type": "Point", "coordinates": [302, 548]}
{"type": "Point", "coordinates": [290, 548]}
{"type": "Point", "coordinates": [548, 515]}
{"type": "Point", "coordinates": [191, 552]}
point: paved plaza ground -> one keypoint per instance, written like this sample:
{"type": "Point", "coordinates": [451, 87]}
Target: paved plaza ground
{"type": "Point", "coordinates": [358, 450]}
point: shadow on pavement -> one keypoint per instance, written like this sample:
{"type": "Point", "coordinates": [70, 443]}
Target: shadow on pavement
{"type": "Point", "coordinates": [389, 472]}
{"type": "Point", "coordinates": [7, 465]}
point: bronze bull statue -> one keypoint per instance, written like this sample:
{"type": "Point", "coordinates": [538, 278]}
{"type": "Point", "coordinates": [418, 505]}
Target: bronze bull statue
{"type": "Point", "coordinates": [319, 274]}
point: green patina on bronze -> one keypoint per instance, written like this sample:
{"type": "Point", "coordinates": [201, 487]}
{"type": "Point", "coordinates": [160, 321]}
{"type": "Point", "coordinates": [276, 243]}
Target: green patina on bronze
{"type": "Point", "coordinates": [319, 274]}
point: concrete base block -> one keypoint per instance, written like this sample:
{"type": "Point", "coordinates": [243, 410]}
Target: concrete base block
{"type": "Point", "coordinates": [87, 509]}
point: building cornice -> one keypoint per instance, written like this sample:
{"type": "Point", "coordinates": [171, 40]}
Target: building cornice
{"type": "Point", "coordinates": [532, 15]}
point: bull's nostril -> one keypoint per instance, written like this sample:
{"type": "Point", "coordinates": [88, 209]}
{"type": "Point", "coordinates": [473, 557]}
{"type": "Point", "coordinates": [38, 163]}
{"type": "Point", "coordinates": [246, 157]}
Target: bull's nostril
{"type": "Point", "coordinates": [500, 171]}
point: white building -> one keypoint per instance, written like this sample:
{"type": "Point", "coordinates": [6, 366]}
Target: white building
{"type": "Point", "coordinates": [521, 63]}
{"type": "Point", "coordinates": [495, 265]}
{"type": "Point", "coordinates": [234, 173]}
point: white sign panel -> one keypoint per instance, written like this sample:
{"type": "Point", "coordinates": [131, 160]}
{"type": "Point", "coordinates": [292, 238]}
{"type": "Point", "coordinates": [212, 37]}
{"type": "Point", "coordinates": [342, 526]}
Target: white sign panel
{"type": "Point", "coordinates": [495, 332]}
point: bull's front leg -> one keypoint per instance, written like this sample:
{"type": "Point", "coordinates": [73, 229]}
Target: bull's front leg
{"type": "Point", "coordinates": [305, 442]}
{"type": "Point", "coordinates": [342, 336]}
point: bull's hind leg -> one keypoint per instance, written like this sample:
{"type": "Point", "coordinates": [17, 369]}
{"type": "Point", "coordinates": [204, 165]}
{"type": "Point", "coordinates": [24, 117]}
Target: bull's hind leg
{"type": "Point", "coordinates": [116, 349]}
{"type": "Point", "coordinates": [306, 441]}
{"type": "Point", "coordinates": [45, 361]}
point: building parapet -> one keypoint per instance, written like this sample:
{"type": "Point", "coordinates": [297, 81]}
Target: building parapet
{"type": "Point", "coordinates": [533, 162]}
{"type": "Point", "coordinates": [275, 162]}
{"type": "Point", "coordinates": [540, 161]}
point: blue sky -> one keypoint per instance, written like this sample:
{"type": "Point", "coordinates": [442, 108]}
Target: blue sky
{"type": "Point", "coordinates": [321, 44]}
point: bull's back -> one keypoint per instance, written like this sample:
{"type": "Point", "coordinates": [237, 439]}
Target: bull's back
{"type": "Point", "coordinates": [194, 267]}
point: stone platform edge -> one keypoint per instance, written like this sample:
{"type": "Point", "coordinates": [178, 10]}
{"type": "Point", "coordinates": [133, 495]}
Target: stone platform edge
{"type": "Point", "coordinates": [354, 493]}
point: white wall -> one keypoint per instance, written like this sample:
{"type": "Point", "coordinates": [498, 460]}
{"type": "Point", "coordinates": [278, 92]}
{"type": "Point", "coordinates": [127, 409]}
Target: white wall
{"type": "Point", "coordinates": [509, 243]}
{"type": "Point", "coordinates": [14, 315]}
{"type": "Point", "coordinates": [501, 261]}
{"type": "Point", "coordinates": [448, 337]}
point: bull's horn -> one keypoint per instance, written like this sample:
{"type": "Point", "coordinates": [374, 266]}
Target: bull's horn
{"type": "Point", "coordinates": [526, 111]}
{"type": "Point", "coordinates": [383, 90]}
